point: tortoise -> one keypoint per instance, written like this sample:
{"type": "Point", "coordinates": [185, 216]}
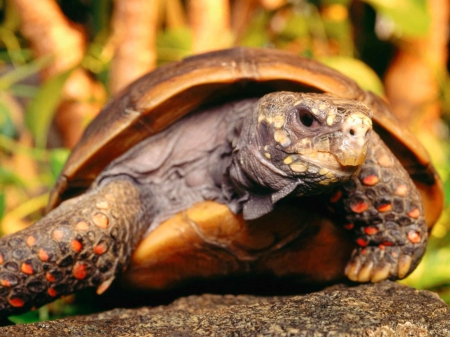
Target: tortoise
{"type": "Point", "coordinates": [235, 162]}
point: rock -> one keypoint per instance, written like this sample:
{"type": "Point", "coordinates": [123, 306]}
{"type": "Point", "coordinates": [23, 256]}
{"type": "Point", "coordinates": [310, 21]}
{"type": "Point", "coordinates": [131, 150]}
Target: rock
{"type": "Point", "coordinates": [383, 309]}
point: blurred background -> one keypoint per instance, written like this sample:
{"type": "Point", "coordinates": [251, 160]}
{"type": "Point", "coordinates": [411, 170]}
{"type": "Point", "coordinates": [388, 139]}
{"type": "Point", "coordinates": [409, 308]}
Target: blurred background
{"type": "Point", "coordinates": [60, 61]}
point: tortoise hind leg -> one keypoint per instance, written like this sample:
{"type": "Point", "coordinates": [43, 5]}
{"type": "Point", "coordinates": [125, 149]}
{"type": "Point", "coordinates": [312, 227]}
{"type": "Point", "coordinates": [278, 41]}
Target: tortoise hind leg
{"type": "Point", "coordinates": [85, 242]}
{"type": "Point", "coordinates": [384, 210]}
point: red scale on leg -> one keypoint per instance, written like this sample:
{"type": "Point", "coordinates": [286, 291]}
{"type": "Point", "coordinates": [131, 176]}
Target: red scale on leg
{"type": "Point", "coordinates": [349, 226]}
{"type": "Point", "coordinates": [50, 278]}
{"type": "Point", "coordinates": [79, 270]}
{"type": "Point", "coordinates": [336, 196]}
{"type": "Point", "coordinates": [371, 230]}
{"type": "Point", "coordinates": [100, 249]}
{"type": "Point", "coordinates": [361, 242]}
{"type": "Point", "coordinates": [52, 292]}
{"type": "Point", "coordinates": [77, 246]}
{"type": "Point", "coordinates": [16, 302]}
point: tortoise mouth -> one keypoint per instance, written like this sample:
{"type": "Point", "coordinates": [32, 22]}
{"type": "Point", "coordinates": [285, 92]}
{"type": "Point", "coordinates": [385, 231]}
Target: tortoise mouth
{"type": "Point", "coordinates": [329, 161]}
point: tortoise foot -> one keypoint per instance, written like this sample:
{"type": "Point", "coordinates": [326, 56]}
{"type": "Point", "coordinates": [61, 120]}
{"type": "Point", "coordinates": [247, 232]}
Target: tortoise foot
{"type": "Point", "coordinates": [372, 264]}
{"type": "Point", "coordinates": [83, 243]}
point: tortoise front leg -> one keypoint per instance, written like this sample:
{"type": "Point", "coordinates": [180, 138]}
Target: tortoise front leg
{"type": "Point", "coordinates": [85, 242]}
{"type": "Point", "coordinates": [384, 210]}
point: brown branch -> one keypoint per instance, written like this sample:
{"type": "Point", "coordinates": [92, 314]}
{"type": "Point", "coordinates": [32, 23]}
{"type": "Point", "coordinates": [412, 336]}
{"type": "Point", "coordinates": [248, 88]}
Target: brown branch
{"type": "Point", "coordinates": [175, 16]}
{"type": "Point", "coordinates": [412, 81]}
{"type": "Point", "coordinates": [134, 24]}
{"type": "Point", "coordinates": [210, 22]}
{"type": "Point", "coordinates": [51, 34]}
{"type": "Point", "coordinates": [271, 5]}
{"type": "Point", "coordinates": [241, 12]}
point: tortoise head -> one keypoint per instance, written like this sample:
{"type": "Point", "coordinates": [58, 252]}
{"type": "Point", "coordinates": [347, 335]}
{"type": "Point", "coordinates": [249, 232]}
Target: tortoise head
{"type": "Point", "coordinates": [315, 137]}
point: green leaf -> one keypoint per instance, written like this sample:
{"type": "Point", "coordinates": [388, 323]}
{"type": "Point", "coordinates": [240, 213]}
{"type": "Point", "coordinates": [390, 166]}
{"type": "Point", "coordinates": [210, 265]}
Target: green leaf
{"type": "Point", "coordinates": [256, 34]}
{"type": "Point", "coordinates": [410, 17]}
{"type": "Point", "coordinates": [22, 72]}
{"type": "Point", "coordinates": [40, 111]}
{"type": "Point", "coordinates": [360, 72]}
{"type": "Point", "coordinates": [8, 177]}
{"type": "Point", "coordinates": [58, 158]}
{"type": "Point", "coordinates": [6, 125]}
{"type": "Point", "coordinates": [2, 204]}
{"type": "Point", "coordinates": [173, 44]}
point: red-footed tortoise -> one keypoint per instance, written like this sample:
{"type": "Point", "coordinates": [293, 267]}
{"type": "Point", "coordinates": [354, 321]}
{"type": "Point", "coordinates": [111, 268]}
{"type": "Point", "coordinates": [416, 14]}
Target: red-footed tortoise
{"type": "Point", "coordinates": [242, 161]}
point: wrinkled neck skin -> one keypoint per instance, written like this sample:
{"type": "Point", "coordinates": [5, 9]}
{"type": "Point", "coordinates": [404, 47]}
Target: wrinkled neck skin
{"type": "Point", "coordinates": [258, 183]}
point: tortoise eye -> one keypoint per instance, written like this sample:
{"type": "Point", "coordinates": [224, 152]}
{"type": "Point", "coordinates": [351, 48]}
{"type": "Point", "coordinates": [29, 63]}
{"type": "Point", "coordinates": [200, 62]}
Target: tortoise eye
{"type": "Point", "coordinates": [307, 118]}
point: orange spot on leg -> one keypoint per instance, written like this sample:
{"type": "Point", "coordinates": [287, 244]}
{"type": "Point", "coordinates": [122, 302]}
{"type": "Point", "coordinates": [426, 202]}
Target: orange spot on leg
{"type": "Point", "coordinates": [370, 180]}
{"type": "Point", "coordinates": [77, 246]}
{"type": "Point", "coordinates": [5, 283]}
{"type": "Point", "coordinates": [43, 255]}
{"type": "Point", "coordinates": [414, 237]}
{"type": "Point", "coordinates": [384, 208]}
{"type": "Point", "coordinates": [27, 269]}
{"type": "Point", "coordinates": [359, 207]}
{"type": "Point", "coordinates": [79, 270]}
{"type": "Point", "coordinates": [371, 230]}
{"type": "Point", "coordinates": [384, 160]}
{"type": "Point", "coordinates": [49, 277]}
{"type": "Point", "coordinates": [31, 240]}
{"type": "Point", "coordinates": [415, 213]}
{"type": "Point", "coordinates": [100, 220]}
{"type": "Point", "coordinates": [101, 248]}
{"type": "Point", "coordinates": [401, 190]}
{"type": "Point", "coordinates": [82, 226]}
{"type": "Point", "coordinates": [57, 235]}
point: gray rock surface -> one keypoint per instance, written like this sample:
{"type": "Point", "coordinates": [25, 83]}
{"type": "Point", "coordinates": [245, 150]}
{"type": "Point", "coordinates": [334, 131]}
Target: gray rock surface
{"type": "Point", "coordinates": [385, 309]}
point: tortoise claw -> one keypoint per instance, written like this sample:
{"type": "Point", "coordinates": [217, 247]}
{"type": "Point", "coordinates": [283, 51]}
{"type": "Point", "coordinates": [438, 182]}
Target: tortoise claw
{"type": "Point", "coordinates": [404, 265]}
{"type": "Point", "coordinates": [352, 269]}
{"type": "Point", "coordinates": [372, 264]}
{"type": "Point", "coordinates": [381, 273]}
{"type": "Point", "coordinates": [365, 272]}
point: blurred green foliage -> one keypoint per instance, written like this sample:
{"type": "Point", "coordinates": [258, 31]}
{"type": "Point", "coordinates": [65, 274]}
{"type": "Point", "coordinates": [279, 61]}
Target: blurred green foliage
{"type": "Point", "coordinates": [355, 37]}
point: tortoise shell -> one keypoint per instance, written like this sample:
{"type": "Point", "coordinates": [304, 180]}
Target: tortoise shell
{"type": "Point", "coordinates": [163, 96]}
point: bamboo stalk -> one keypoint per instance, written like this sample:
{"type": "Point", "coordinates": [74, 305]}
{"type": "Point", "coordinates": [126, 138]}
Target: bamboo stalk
{"type": "Point", "coordinates": [241, 12]}
{"type": "Point", "coordinates": [413, 78]}
{"type": "Point", "coordinates": [210, 23]}
{"type": "Point", "coordinates": [134, 24]}
{"type": "Point", "coordinates": [51, 33]}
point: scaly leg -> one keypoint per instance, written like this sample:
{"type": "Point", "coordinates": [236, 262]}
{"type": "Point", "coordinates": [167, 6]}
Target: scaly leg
{"type": "Point", "coordinates": [383, 208]}
{"type": "Point", "coordinates": [85, 242]}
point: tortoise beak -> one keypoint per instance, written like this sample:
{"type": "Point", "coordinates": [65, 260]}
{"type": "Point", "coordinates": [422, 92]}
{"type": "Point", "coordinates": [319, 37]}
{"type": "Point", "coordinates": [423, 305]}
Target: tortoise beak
{"type": "Point", "coordinates": [352, 149]}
